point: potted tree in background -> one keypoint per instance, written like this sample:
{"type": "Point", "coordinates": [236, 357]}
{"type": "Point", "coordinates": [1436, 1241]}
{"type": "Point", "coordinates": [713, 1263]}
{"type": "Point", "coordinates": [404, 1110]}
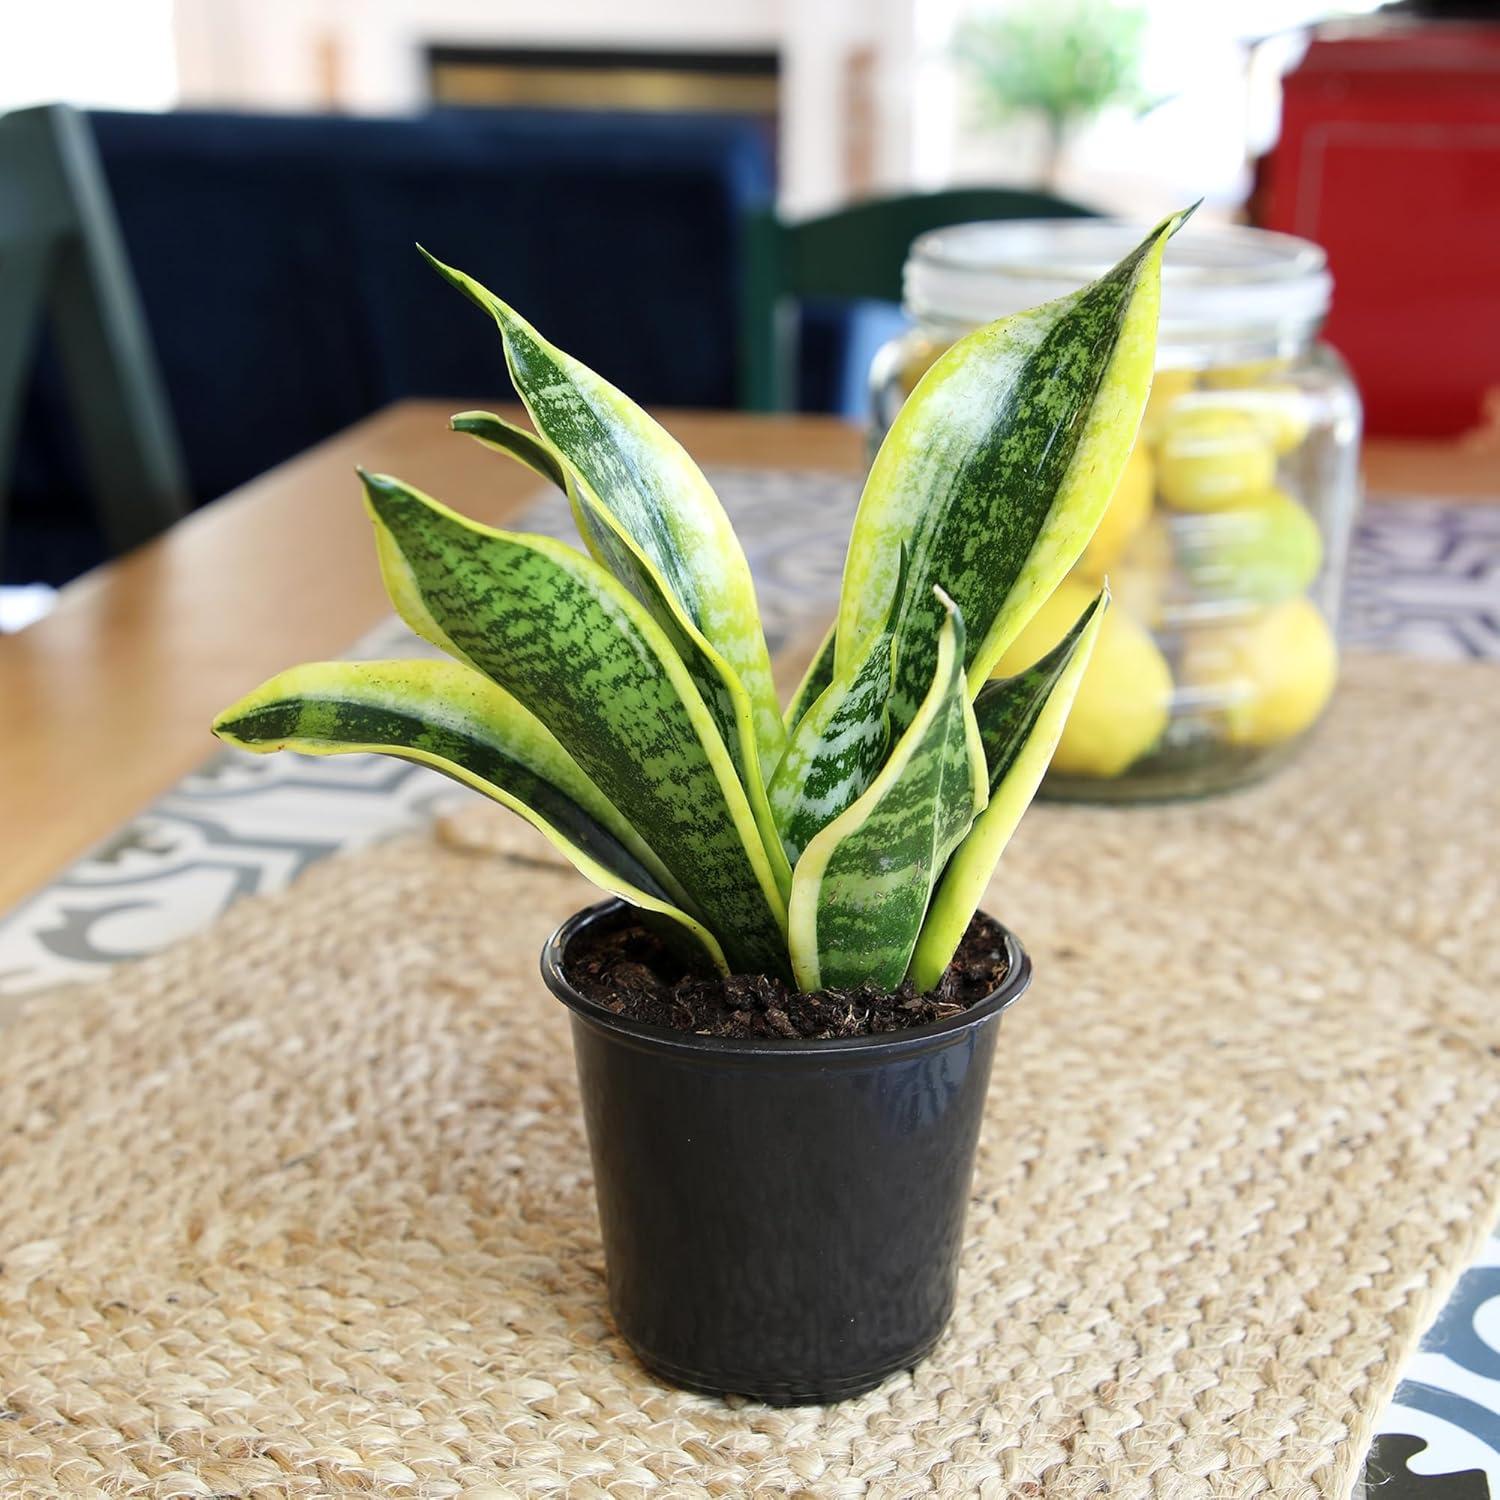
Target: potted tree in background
{"type": "Point", "coordinates": [785, 1019]}
{"type": "Point", "coordinates": [1060, 61]}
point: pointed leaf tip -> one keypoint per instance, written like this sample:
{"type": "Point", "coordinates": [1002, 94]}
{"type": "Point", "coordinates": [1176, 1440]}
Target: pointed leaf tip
{"type": "Point", "coordinates": [375, 484]}
{"type": "Point", "coordinates": [448, 273]}
{"type": "Point", "coordinates": [1173, 222]}
{"type": "Point", "coordinates": [381, 494]}
{"type": "Point", "coordinates": [373, 487]}
{"type": "Point", "coordinates": [477, 294]}
{"type": "Point", "coordinates": [516, 442]}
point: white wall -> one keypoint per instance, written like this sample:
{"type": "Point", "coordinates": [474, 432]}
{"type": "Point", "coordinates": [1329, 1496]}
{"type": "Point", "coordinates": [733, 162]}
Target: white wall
{"type": "Point", "coordinates": [108, 54]}
{"type": "Point", "coordinates": [366, 55]}
{"type": "Point", "coordinates": [274, 54]}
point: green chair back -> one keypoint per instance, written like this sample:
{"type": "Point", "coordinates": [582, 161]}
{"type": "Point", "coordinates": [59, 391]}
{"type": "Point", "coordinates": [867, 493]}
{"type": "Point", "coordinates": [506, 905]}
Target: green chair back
{"type": "Point", "coordinates": [857, 252]}
{"type": "Point", "coordinates": [62, 258]}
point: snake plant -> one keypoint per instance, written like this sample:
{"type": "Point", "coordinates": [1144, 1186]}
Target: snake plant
{"type": "Point", "coordinates": [620, 698]}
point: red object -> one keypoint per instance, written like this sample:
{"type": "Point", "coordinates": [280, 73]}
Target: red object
{"type": "Point", "coordinates": [1389, 158]}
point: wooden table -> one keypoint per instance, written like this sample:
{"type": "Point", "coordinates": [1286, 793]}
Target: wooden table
{"type": "Point", "coordinates": [108, 699]}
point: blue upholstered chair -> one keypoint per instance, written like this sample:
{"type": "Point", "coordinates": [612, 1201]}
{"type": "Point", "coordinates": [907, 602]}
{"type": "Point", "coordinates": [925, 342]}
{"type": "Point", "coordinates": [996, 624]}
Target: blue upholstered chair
{"type": "Point", "coordinates": [275, 261]}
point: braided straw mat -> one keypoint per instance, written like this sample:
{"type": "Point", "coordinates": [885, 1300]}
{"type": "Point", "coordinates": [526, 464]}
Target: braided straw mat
{"type": "Point", "coordinates": [302, 1207]}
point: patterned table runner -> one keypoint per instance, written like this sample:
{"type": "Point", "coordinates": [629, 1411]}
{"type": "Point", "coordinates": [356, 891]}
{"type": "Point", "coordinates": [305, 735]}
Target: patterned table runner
{"type": "Point", "coordinates": [1423, 579]}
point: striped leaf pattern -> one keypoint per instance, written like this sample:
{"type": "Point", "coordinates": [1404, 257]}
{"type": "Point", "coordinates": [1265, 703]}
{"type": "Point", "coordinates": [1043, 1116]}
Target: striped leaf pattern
{"type": "Point", "coordinates": [997, 470]}
{"type": "Point", "coordinates": [838, 745]}
{"type": "Point", "coordinates": [729, 706]}
{"type": "Point", "coordinates": [834, 752]}
{"type": "Point", "coordinates": [559, 633]}
{"type": "Point", "coordinates": [445, 715]}
{"type": "Point", "coordinates": [642, 488]}
{"type": "Point", "coordinates": [814, 681]}
{"type": "Point", "coordinates": [721, 691]}
{"type": "Point", "coordinates": [861, 889]}
{"type": "Point", "coordinates": [620, 700]}
{"type": "Point", "coordinates": [1020, 719]}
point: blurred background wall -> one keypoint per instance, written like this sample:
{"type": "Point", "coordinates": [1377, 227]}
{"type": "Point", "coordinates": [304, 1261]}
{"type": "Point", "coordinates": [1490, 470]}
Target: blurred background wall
{"type": "Point", "coordinates": [611, 167]}
{"type": "Point", "coordinates": [865, 95]}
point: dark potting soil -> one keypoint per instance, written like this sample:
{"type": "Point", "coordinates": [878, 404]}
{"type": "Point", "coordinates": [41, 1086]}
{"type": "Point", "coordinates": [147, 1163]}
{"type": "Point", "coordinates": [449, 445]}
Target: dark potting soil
{"type": "Point", "coordinates": [629, 970]}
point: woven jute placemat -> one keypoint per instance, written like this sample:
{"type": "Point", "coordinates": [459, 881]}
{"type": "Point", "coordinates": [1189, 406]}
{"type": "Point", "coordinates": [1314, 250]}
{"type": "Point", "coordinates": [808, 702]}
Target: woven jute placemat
{"type": "Point", "coordinates": [302, 1207]}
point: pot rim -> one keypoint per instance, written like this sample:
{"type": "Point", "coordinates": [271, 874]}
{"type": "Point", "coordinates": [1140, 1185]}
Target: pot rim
{"type": "Point", "coordinates": [886, 1043]}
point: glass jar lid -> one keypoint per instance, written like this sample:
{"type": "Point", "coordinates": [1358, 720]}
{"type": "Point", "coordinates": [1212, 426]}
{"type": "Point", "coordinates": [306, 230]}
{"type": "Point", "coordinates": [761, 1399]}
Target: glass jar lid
{"type": "Point", "coordinates": [1219, 284]}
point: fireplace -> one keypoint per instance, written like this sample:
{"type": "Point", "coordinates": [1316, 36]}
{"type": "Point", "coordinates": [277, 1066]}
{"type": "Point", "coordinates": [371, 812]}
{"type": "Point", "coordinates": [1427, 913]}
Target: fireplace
{"type": "Point", "coordinates": [839, 85]}
{"type": "Point", "coordinates": [569, 78]}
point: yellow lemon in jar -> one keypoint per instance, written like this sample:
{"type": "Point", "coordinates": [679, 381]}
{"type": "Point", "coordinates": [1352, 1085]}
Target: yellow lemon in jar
{"type": "Point", "coordinates": [1167, 388]}
{"type": "Point", "coordinates": [1121, 707]}
{"type": "Point", "coordinates": [1145, 578]}
{"type": "Point", "coordinates": [1271, 676]}
{"type": "Point", "coordinates": [920, 358]}
{"type": "Point", "coordinates": [1212, 457]}
{"type": "Point", "coordinates": [1126, 513]}
{"type": "Point", "coordinates": [1262, 551]}
{"type": "Point", "coordinates": [1280, 413]}
{"type": "Point", "coordinates": [1251, 372]}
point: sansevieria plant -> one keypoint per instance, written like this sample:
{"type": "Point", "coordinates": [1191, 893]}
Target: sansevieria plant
{"type": "Point", "coordinates": [620, 699]}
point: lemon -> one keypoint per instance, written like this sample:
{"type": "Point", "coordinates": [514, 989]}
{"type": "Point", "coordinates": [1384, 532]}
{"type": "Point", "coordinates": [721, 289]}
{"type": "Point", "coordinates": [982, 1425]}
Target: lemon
{"type": "Point", "coordinates": [920, 358]}
{"type": "Point", "coordinates": [1279, 413]}
{"type": "Point", "coordinates": [1271, 676]}
{"type": "Point", "coordinates": [1121, 707]}
{"type": "Point", "coordinates": [1144, 576]}
{"type": "Point", "coordinates": [1167, 386]}
{"type": "Point", "coordinates": [1262, 551]}
{"type": "Point", "coordinates": [1126, 513]}
{"type": "Point", "coordinates": [1251, 372]}
{"type": "Point", "coordinates": [1210, 457]}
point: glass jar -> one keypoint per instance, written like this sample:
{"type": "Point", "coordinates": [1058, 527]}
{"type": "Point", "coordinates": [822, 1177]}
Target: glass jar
{"type": "Point", "coordinates": [1225, 543]}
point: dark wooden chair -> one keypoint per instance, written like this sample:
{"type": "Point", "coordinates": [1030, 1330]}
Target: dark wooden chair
{"type": "Point", "coordinates": [857, 252]}
{"type": "Point", "coordinates": [62, 260]}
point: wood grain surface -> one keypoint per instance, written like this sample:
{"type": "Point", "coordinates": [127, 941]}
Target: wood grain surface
{"type": "Point", "coordinates": [107, 700]}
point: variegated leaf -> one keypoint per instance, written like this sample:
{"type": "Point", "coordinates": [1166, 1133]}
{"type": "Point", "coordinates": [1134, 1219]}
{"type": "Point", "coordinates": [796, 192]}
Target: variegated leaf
{"type": "Point", "coordinates": [817, 677]}
{"type": "Point", "coordinates": [1020, 719]}
{"type": "Point", "coordinates": [556, 630]}
{"type": "Point", "coordinates": [837, 747]}
{"type": "Point", "coordinates": [505, 437]}
{"type": "Point", "coordinates": [642, 487]}
{"type": "Point", "coordinates": [860, 891]}
{"type": "Point", "coordinates": [998, 468]}
{"type": "Point", "coordinates": [720, 688]}
{"type": "Point", "coordinates": [444, 715]}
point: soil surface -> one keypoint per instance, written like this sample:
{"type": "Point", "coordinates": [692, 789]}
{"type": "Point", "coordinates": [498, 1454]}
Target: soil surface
{"type": "Point", "coordinates": [629, 970]}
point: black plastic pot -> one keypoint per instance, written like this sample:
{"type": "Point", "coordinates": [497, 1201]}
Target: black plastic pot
{"type": "Point", "coordinates": [781, 1219]}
